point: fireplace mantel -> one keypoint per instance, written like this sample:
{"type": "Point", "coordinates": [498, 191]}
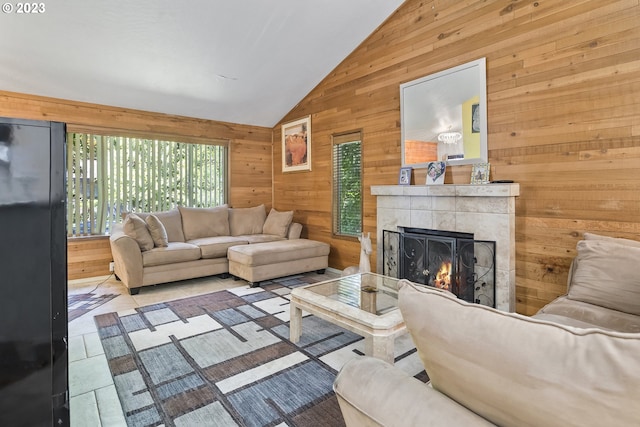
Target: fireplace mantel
{"type": "Point", "coordinates": [487, 211]}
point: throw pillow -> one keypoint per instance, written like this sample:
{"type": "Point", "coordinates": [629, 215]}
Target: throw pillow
{"type": "Point", "coordinates": [245, 221]}
{"type": "Point", "coordinates": [135, 227]}
{"type": "Point", "coordinates": [171, 220]}
{"type": "Point", "coordinates": [157, 230]}
{"type": "Point", "coordinates": [604, 274]}
{"type": "Point", "coordinates": [277, 223]}
{"type": "Point", "coordinates": [205, 222]}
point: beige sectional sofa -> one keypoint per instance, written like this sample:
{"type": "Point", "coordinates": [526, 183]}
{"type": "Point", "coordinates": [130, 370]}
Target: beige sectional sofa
{"type": "Point", "coordinates": [185, 243]}
{"type": "Point", "coordinates": [575, 363]}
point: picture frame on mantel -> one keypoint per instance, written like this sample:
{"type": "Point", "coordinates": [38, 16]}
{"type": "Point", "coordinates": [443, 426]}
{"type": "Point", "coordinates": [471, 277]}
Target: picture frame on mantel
{"type": "Point", "coordinates": [480, 173]}
{"type": "Point", "coordinates": [405, 176]}
{"type": "Point", "coordinates": [435, 173]}
{"type": "Point", "coordinates": [296, 145]}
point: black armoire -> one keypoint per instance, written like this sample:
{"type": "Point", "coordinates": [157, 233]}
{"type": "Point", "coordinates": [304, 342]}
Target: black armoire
{"type": "Point", "coordinates": [33, 274]}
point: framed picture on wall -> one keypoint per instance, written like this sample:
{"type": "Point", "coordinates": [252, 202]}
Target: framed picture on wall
{"type": "Point", "coordinates": [296, 145]}
{"type": "Point", "coordinates": [480, 173]}
{"type": "Point", "coordinates": [405, 176]}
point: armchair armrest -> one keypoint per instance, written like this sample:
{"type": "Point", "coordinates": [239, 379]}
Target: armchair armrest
{"type": "Point", "coordinates": [373, 393]}
{"type": "Point", "coordinates": [127, 258]}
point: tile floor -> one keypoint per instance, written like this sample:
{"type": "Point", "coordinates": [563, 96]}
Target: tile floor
{"type": "Point", "coordinates": [93, 398]}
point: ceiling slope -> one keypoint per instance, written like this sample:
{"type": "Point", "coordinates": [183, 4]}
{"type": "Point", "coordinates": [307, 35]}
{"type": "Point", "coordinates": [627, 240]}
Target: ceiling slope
{"type": "Point", "coordinates": [238, 61]}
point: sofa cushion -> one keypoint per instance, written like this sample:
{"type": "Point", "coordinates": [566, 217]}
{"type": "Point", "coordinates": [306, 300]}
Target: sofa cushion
{"type": "Point", "coordinates": [619, 240]}
{"type": "Point", "coordinates": [216, 247]}
{"type": "Point", "coordinates": [172, 221]}
{"type": "Point", "coordinates": [275, 252]}
{"type": "Point", "coordinates": [604, 273]}
{"type": "Point", "coordinates": [135, 227]}
{"type": "Point", "coordinates": [261, 238]}
{"type": "Point", "coordinates": [246, 220]}
{"type": "Point", "coordinates": [518, 371]}
{"type": "Point", "coordinates": [582, 315]}
{"type": "Point", "coordinates": [205, 222]}
{"type": "Point", "coordinates": [157, 231]}
{"type": "Point", "coordinates": [277, 223]}
{"type": "Point", "coordinates": [173, 252]}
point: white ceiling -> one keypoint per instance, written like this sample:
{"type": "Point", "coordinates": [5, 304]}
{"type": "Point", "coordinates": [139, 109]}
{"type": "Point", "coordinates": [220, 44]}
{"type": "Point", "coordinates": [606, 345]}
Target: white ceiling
{"type": "Point", "coordinates": [238, 61]}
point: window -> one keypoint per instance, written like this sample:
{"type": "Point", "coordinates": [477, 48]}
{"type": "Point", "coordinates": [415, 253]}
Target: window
{"type": "Point", "coordinates": [347, 184]}
{"type": "Point", "coordinates": [109, 175]}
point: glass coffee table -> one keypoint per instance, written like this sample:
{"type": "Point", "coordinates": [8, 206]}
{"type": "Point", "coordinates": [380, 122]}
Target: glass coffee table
{"type": "Point", "coordinates": [365, 303]}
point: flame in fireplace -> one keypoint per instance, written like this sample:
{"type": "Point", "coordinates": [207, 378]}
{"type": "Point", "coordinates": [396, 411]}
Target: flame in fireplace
{"type": "Point", "coordinates": [443, 277]}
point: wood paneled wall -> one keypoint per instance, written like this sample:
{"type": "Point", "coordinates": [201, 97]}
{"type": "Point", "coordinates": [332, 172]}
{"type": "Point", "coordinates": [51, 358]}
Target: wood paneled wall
{"type": "Point", "coordinates": [250, 154]}
{"type": "Point", "coordinates": [563, 100]}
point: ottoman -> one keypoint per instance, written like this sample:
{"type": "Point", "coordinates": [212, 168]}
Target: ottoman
{"type": "Point", "coordinates": [268, 260]}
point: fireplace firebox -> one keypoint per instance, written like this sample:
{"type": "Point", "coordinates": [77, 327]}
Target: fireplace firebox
{"type": "Point", "coordinates": [442, 259]}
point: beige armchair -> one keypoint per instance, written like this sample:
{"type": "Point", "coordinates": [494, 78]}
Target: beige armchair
{"type": "Point", "coordinates": [488, 367]}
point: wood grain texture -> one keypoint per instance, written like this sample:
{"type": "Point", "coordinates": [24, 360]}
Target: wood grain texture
{"type": "Point", "coordinates": [563, 94]}
{"type": "Point", "coordinates": [250, 160]}
{"type": "Point", "coordinates": [563, 100]}
{"type": "Point", "coordinates": [88, 257]}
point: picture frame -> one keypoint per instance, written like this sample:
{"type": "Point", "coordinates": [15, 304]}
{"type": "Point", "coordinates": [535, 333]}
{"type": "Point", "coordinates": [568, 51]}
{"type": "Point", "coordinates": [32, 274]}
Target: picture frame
{"type": "Point", "coordinates": [296, 145]}
{"type": "Point", "coordinates": [480, 173]}
{"type": "Point", "coordinates": [404, 178]}
{"type": "Point", "coordinates": [435, 173]}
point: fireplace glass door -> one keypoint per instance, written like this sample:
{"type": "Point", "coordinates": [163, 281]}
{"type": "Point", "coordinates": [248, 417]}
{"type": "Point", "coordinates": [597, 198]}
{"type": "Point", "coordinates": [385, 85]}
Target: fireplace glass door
{"type": "Point", "coordinates": [460, 265]}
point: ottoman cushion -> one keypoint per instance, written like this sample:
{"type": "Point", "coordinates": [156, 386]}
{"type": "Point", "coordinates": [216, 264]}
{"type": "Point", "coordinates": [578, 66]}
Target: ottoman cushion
{"type": "Point", "coordinates": [275, 252]}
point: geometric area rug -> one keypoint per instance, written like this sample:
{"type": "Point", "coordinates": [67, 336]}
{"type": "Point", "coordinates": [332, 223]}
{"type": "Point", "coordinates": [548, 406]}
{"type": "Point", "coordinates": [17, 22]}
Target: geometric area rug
{"type": "Point", "coordinates": [79, 304]}
{"type": "Point", "coordinates": [225, 359]}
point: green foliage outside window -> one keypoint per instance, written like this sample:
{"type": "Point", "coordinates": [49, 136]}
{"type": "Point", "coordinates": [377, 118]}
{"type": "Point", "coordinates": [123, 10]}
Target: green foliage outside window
{"type": "Point", "coordinates": [110, 175]}
{"type": "Point", "coordinates": [347, 188]}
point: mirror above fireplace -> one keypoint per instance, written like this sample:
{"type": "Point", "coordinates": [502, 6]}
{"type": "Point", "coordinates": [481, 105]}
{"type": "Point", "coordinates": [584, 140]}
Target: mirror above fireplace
{"type": "Point", "coordinates": [444, 117]}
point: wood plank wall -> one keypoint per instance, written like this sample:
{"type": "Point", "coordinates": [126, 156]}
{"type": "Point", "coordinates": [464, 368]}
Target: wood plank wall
{"type": "Point", "coordinates": [563, 119]}
{"type": "Point", "coordinates": [250, 154]}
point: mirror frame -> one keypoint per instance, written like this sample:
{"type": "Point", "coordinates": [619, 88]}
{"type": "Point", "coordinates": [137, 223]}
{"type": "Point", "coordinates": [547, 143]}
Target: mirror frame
{"type": "Point", "coordinates": [439, 79]}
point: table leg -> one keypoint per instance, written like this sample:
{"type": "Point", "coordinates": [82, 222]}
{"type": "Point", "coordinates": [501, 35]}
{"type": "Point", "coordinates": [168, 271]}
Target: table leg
{"type": "Point", "coordinates": [382, 348]}
{"type": "Point", "coordinates": [295, 323]}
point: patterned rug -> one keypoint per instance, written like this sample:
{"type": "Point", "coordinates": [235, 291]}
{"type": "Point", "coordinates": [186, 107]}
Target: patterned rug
{"type": "Point", "coordinates": [224, 359]}
{"type": "Point", "coordinates": [79, 304]}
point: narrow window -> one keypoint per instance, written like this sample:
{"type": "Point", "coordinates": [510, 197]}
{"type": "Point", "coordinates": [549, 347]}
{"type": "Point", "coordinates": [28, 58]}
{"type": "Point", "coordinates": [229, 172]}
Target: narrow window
{"type": "Point", "coordinates": [347, 184]}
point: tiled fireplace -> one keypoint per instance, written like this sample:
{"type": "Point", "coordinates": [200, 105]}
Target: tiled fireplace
{"type": "Point", "coordinates": [486, 211]}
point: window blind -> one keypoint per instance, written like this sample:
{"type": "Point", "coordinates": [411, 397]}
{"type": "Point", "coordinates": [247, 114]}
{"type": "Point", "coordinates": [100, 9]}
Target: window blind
{"type": "Point", "coordinates": [347, 184]}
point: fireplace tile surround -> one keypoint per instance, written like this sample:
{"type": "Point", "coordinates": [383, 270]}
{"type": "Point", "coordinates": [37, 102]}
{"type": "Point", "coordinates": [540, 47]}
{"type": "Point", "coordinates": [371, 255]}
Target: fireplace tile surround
{"type": "Point", "coordinates": [486, 210]}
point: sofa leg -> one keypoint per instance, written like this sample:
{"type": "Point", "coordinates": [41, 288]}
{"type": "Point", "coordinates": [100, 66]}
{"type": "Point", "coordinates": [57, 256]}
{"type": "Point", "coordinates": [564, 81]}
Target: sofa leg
{"type": "Point", "coordinates": [320, 271]}
{"type": "Point", "coordinates": [224, 275]}
{"type": "Point", "coordinates": [134, 291]}
{"type": "Point", "coordinates": [254, 284]}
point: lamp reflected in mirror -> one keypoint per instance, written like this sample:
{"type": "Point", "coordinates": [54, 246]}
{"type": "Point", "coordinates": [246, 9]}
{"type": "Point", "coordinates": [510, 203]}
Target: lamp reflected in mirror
{"type": "Point", "coordinates": [450, 137]}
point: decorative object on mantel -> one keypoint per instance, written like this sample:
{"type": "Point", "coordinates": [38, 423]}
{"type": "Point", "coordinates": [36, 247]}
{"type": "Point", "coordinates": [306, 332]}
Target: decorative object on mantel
{"type": "Point", "coordinates": [405, 176]}
{"type": "Point", "coordinates": [480, 173]}
{"type": "Point", "coordinates": [365, 251]}
{"type": "Point", "coordinates": [296, 145]}
{"type": "Point", "coordinates": [435, 173]}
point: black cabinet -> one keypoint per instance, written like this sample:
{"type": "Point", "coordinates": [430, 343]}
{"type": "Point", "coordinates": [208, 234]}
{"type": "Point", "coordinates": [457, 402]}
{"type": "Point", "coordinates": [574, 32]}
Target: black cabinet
{"type": "Point", "coordinates": [33, 274]}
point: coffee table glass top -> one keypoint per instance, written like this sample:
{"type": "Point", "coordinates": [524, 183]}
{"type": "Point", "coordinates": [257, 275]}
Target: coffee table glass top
{"type": "Point", "coordinates": [370, 292]}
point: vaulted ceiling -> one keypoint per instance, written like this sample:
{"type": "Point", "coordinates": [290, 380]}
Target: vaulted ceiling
{"type": "Point", "coordinates": [238, 61]}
